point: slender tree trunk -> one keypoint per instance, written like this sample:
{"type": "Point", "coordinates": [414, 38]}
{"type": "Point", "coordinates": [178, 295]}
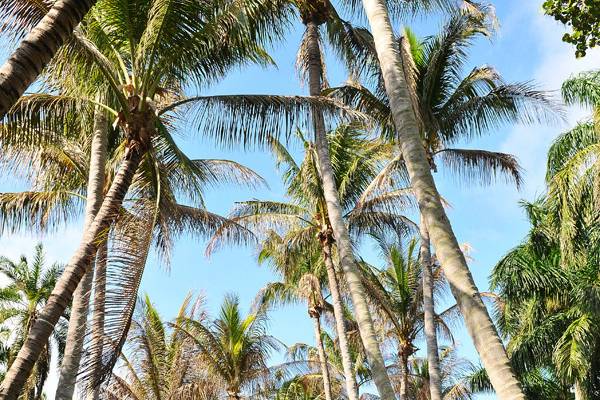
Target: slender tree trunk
{"type": "Point", "coordinates": [97, 345]}
{"type": "Point", "coordinates": [63, 291]}
{"type": "Point", "coordinates": [322, 356]}
{"type": "Point", "coordinates": [340, 231]}
{"type": "Point", "coordinates": [580, 392]}
{"type": "Point", "coordinates": [340, 326]}
{"type": "Point", "coordinates": [81, 298]}
{"type": "Point", "coordinates": [403, 377]}
{"type": "Point", "coordinates": [433, 361]}
{"type": "Point", "coordinates": [478, 322]}
{"type": "Point", "coordinates": [38, 48]}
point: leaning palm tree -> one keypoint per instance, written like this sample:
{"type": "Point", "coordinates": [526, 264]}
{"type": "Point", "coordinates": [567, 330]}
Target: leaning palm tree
{"type": "Point", "coordinates": [58, 177]}
{"type": "Point", "coordinates": [52, 23]}
{"type": "Point", "coordinates": [448, 107]}
{"type": "Point", "coordinates": [234, 349]}
{"type": "Point", "coordinates": [158, 362]}
{"type": "Point", "coordinates": [28, 288]}
{"type": "Point", "coordinates": [139, 63]}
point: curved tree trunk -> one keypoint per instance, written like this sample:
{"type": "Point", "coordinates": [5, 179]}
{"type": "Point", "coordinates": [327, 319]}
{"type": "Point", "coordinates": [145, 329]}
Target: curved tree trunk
{"type": "Point", "coordinates": [38, 48]}
{"type": "Point", "coordinates": [81, 298]}
{"type": "Point", "coordinates": [322, 356]}
{"type": "Point", "coordinates": [478, 322]}
{"type": "Point", "coordinates": [340, 231]}
{"type": "Point", "coordinates": [97, 345]}
{"type": "Point", "coordinates": [433, 361]}
{"type": "Point", "coordinates": [340, 326]}
{"type": "Point", "coordinates": [63, 291]}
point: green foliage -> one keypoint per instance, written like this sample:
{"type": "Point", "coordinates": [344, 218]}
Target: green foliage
{"type": "Point", "coordinates": [583, 16]}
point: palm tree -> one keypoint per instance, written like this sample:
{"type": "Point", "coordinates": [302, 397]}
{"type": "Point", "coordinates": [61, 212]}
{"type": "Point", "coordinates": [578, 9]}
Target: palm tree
{"type": "Point", "coordinates": [301, 273]}
{"type": "Point", "coordinates": [450, 107]}
{"type": "Point", "coordinates": [572, 160]}
{"type": "Point", "coordinates": [170, 218]}
{"type": "Point", "coordinates": [28, 288]}
{"type": "Point", "coordinates": [143, 80]}
{"type": "Point", "coordinates": [305, 219]}
{"type": "Point", "coordinates": [398, 294]}
{"type": "Point", "coordinates": [546, 307]}
{"type": "Point", "coordinates": [158, 362]}
{"type": "Point", "coordinates": [54, 22]}
{"type": "Point", "coordinates": [235, 349]}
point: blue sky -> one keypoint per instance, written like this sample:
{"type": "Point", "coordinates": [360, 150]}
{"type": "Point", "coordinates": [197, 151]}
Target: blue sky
{"type": "Point", "coordinates": [527, 47]}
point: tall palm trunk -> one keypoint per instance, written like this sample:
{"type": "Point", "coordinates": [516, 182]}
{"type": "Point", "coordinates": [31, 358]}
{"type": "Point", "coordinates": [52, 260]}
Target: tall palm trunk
{"type": "Point", "coordinates": [63, 291]}
{"type": "Point", "coordinates": [81, 298]}
{"type": "Point", "coordinates": [579, 392]}
{"type": "Point", "coordinates": [38, 48]}
{"type": "Point", "coordinates": [316, 317]}
{"type": "Point", "coordinates": [433, 361]}
{"type": "Point", "coordinates": [97, 345]}
{"type": "Point", "coordinates": [340, 231]}
{"type": "Point", "coordinates": [403, 376]}
{"type": "Point", "coordinates": [338, 312]}
{"type": "Point", "coordinates": [478, 322]}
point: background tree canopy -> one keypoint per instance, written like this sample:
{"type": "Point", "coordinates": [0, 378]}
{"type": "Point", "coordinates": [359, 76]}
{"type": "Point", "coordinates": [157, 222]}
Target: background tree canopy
{"type": "Point", "coordinates": [583, 16]}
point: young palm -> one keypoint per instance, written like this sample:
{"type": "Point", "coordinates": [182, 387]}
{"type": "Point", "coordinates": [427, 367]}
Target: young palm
{"type": "Point", "coordinates": [139, 64]}
{"type": "Point", "coordinates": [398, 294]}
{"type": "Point", "coordinates": [28, 288]}
{"type": "Point", "coordinates": [450, 108]}
{"type": "Point", "coordinates": [234, 349]}
{"type": "Point", "coordinates": [158, 362]}
{"type": "Point", "coordinates": [302, 279]}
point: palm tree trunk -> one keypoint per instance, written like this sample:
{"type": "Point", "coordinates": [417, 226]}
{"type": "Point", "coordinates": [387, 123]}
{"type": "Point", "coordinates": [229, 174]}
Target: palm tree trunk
{"type": "Point", "coordinates": [433, 361]}
{"type": "Point", "coordinates": [322, 356]}
{"type": "Point", "coordinates": [97, 345]}
{"type": "Point", "coordinates": [579, 392]}
{"type": "Point", "coordinates": [81, 298]}
{"type": "Point", "coordinates": [38, 48]}
{"type": "Point", "coordinates": [340, 326]}
{"type": "Point", "coordinates": [340, 231]}
{"type": "Point", "coordinates": [478, 322]}
{"type": "Point", "coordinates": [63, 291]}
{"type": "Point", "coordinates": [403, 377]}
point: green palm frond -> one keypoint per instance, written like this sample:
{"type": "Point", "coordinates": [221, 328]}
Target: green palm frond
{"type": "Point", "coordinates": [583, 89]}
{"type": "Point", "coordinates": [481, 166]}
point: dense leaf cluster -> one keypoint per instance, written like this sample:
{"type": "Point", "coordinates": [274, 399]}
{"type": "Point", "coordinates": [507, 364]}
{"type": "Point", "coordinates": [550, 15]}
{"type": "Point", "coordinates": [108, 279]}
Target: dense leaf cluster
{"type": "Point", "coordinates": [584, 18]}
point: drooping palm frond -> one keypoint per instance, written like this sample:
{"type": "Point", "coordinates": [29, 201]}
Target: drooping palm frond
{"type": "Point", "coordinates": [481, 166]}
{"type": "Point", "coordinates": [20, 16]}
{"type": "Point", "coordinates": [583, 89]}
{"type": "Point", "coordinates": [251, 119]}
{"type": "Point", "coordinates": [567, 145]}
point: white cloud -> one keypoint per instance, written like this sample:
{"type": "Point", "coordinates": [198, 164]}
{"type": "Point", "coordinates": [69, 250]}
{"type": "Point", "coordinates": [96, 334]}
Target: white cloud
{"type": "Point", "coordinates": [556, 63]}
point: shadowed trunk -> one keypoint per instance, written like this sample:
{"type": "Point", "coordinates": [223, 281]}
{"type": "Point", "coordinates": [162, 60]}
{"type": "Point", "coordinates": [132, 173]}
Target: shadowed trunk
{"type": "Point", "coordinates": [38, 48]}
{"type": "Point", "coordinates": [316, 317]}
{"type": "Point", "coordinates": [478, 322]}
{"type": "Point", "coordinates": [97, 345]}
{"type": "Point", "coordinates": [81, 298]}
{"type": "Point", "coordinates": [433, 361]}
{"type": "Point", "coordinates": [338, 311]}
{"type": "Point", "coordinates": [340, 231]}
{"type": "Point", "coordinates": [403, 376]}
{"type": "Point", "coordinates": [65, 287]}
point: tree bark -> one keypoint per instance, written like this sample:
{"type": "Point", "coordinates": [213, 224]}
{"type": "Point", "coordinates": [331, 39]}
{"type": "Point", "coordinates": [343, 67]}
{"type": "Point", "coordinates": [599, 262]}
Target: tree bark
{"type": "Point", "coordinates": [340, 326]}
{"type": "Point", "coordinates": [81, 298]}
{"type": "Point", "coordinates": [97, 345]}
{"type": "Point", "coordinates": [433, 361]}
{"type": "Point", "coordinates": [322, 356]}
{"type": "Point", "coordinates": [62, 294]}
{"type": "Point", "coordinates": [340, 230]}
{"type": "Point", "coordinates": [38, 48]}
{"type": "Point", "coordinates": [403, 377]}
{"type": "Point", "coordinates": [579, 392]}
{"type": "Point", "coordinates": [478, 322]}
